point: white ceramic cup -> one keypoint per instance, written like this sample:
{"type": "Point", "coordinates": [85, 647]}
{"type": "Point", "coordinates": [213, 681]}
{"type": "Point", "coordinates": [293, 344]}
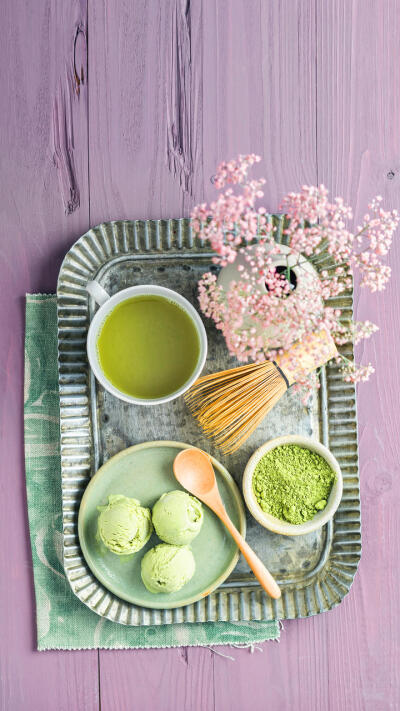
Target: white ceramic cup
{"type": "Point", "coordinates": [107, 303]}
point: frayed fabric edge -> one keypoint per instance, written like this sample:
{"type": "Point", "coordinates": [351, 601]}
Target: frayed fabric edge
{"type": "Point", "coordinates": [250, 645]}
{"type": "Point", "coordinates": [39, 297]}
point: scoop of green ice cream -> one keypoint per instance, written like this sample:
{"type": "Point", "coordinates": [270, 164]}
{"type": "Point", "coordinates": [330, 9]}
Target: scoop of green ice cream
{"type": "Point", "coordinates": [167, 568]}
{"type": "Point", "coordinates": [177, 517]}
{"type": "Point", "coordinates": [124, 525]}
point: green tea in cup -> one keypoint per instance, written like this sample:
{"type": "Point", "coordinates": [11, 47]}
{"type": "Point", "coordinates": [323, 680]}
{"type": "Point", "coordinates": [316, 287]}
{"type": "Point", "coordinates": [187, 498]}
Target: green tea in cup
{"type": "Point", "coordinates": [148, 347]}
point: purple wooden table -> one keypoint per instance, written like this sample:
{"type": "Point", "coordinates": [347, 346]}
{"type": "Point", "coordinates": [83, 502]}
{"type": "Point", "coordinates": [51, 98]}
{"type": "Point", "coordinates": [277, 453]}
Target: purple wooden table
{"type": "Point", "coordinates": [110, 108]}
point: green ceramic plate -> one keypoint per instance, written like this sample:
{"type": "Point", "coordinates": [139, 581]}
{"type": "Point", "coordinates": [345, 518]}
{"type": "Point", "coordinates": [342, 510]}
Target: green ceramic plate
{"type": "Point", "coordinates": [144, 472]}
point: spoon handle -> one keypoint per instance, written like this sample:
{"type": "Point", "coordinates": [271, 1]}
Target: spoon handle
{"type": "Point", "coordinates": [263, 576]}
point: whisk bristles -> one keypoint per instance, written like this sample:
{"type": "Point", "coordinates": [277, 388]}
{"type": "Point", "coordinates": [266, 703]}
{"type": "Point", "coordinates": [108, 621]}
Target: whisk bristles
{"type": "Point", "coordinates": [230, 405]}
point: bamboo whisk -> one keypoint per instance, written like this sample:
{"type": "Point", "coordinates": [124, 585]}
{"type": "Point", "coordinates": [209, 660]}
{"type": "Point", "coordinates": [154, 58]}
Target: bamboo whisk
{"type": "Point", "coordinates": [229, 405]}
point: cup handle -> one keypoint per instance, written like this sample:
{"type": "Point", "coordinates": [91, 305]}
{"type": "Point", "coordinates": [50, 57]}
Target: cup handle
{"type": "Point", "coordinates": [99, 294]}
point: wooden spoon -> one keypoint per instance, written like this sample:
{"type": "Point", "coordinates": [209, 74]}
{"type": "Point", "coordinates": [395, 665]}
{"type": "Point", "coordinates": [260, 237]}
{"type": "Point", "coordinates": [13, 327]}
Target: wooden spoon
{"type": "Point", "coordinates": [194, 471]}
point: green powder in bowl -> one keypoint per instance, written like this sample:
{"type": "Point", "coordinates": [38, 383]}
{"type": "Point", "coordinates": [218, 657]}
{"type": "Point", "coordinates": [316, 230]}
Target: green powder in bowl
{"type": "Point", "coordinates": [292, 483]}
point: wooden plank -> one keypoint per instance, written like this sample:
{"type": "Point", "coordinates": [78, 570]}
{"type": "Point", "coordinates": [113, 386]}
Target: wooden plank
{"type": "Point", "coordinates": [136, 103]}
{"type": "Point", "coordinates": [43, 147]}
{"type": "Point", "coordinates": [145, 162]}
{"type": "Point", "coordinates": [259, 91]}
{"type": "Point", "coordinates": [167, 679]}
{"type": "Point", "coordinates": [358, 157]}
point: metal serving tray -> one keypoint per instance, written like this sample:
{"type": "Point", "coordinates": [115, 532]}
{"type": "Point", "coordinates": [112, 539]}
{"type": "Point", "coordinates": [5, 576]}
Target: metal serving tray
{"type": "Point", "coordinates": [315, 571]}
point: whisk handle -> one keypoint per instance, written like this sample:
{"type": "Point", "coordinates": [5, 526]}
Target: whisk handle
{"type": "Point", "coordinates": [263, 575]}
{"type": "Point", "coordinates": [305, 356]}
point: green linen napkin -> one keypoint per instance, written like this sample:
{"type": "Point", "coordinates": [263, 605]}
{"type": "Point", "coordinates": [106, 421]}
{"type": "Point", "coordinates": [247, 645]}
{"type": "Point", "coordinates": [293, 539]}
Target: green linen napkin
{"type": "Point", "coordinates": [63, 622]}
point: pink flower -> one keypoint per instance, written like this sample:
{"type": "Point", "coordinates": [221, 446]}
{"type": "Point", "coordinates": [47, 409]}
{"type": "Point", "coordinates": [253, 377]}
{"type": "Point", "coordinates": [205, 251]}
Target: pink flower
{"type": "Point", "coordinates": [317, 231]}
{"type": "Point", "coordinates": [356, 374]}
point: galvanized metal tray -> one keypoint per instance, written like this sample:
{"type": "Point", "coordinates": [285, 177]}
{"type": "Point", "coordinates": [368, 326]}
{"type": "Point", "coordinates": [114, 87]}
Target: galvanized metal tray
{"type": "Point", "coordinates": [314, 571]}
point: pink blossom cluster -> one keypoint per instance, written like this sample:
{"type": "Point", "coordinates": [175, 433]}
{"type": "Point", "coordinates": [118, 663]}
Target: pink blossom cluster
{"type": "Point", "coordinates": [231, 220]}
{"type": "Point", "coordinates": [353, 373]}
{"type": "Point", "coordinates": [317, 232]}
{"type": "Point", "coordinates": [318, 227]}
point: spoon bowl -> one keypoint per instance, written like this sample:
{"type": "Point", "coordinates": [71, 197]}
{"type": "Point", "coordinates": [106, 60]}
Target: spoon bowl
{"type": "Point", "coordinates": [194, 471]}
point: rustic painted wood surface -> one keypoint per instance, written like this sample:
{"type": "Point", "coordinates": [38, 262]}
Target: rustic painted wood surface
{"type": "Point", "coordinates": [120, 126]}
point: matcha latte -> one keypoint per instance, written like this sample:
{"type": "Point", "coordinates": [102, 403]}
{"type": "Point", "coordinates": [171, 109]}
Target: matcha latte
{"type": "Point", "coordinates": [148, 347]}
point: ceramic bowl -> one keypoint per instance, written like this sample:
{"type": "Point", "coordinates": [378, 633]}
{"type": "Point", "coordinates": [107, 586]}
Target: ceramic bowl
{"type": "Point", "coordinates": [275, 524]}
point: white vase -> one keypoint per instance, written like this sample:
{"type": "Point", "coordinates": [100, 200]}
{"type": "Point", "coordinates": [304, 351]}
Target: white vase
{"type": "Point", "coordinates": [304, 278]}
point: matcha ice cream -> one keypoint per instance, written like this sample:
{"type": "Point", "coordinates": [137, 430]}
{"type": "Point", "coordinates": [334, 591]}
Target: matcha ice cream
{"type": "Point", "coordinates": [167, 568]}
{"type": "Point", "coordinates": [177, 517]}
{"type": "Point", "coordinates": [124, 526]}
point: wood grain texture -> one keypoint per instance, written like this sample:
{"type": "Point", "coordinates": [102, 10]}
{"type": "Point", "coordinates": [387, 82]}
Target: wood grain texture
{"type": "Point", "coordinates": [358, 156]}
{"type": "Point", "coordinates": [166, 679]}
{"type": "Point", "coordinates": [314, 87]}
{"type": "Point", "coordinates": [37, 72]}
{"type": "Point", "coordinates": [129, 59]}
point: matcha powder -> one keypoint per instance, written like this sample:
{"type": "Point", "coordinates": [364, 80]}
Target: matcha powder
{"type": "Point", "coordinates": [292, 483]}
